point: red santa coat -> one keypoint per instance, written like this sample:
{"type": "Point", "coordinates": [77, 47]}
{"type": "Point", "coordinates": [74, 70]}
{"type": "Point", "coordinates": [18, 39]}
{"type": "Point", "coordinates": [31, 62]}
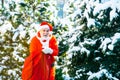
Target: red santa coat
{"type": "Point", "coordinates": [38, 66]}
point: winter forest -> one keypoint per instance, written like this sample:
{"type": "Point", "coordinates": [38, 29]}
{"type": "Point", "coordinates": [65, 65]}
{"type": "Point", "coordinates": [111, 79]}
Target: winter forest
{"type": "Point", "coordinates": [87, 31]}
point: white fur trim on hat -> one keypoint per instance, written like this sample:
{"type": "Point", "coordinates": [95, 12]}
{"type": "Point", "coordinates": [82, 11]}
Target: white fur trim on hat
{"type": "Point", "coordinates": [44, 26]}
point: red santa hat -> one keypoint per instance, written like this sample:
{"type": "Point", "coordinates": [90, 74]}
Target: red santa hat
{"type": "Point", "coordinates": [46, 25]}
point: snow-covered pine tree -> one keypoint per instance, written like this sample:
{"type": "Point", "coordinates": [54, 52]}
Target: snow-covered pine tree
{"type": "Point", "coordinates": [17, 27]}
{"type": "Point", "coordinates": [93, 39]}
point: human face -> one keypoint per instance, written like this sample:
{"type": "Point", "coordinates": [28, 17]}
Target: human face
{"type": "Point", "coordinates": [44, 32]}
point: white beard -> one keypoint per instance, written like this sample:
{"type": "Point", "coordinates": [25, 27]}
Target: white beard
{"type": "Point", "coordinates": [45, 38]}
{"type": "Point", "coordinates": [46, 43]}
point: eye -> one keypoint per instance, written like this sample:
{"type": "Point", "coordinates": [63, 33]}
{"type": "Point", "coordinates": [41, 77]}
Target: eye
{"type": "Point", "coordinates": [43, 30]}
{"type": "Point", "coordinates": [47, 30]}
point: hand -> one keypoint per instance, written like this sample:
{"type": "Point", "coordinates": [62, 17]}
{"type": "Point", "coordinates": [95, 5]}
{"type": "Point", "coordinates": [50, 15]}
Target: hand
{"type": "Point", "coordinates": [47, 50]}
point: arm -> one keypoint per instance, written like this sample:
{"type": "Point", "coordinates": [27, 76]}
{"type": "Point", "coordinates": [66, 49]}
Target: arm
{"type": "Point", "coordinates": [35, 48]}
{"type": "Point", "coordinates": [53, 45]}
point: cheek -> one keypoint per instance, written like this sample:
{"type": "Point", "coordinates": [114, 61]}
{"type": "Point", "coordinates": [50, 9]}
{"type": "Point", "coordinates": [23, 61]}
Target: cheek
{"type": "Point", "coordinates": [41, 32]}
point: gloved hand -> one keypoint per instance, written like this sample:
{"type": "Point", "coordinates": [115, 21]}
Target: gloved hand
{"type": "Point", "coordinates": [47, 50]}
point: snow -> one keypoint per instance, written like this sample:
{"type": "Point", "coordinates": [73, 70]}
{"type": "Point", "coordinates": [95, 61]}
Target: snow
{"type": "Point", "coordinates": [91, 22]}
{"type": "Point", "coordinates": [1, 21]}
{"type": "Point", "coordinates": [11, 72]}
{"type": "Point", "coordinates": [73, 38]}
{"type": "Point", "coordinates": [103, 46]}
{"type": "Point", "coordinates": [22, 31]}
{"type": "Point", "coordinates": [66, 75]}
{"type": "Point", "coordinates": [115, 38]}
{"type": "Point", "coordinates": [110, 41]}
{"type": "Point", "coordinates": [84, 50]}
{"type": "Point", "coordinates": [99, 74]}
{"type": "Point", "coordinates": [31, 35]}
{"type": "Point", "coordinates": [66, 22]}
{"type": "Point", "coordinates": [78, 73]}
{"type": "Point", "coordinates": [22, 34]}
{"type": "Point", "coordinates": [97, 58]}
{"type": "Point", "coordinates": [17, 57]}
{"type": "Point", "coordinates": [86, 14]}
{"type": "Point", "coordinates": [15, 36]}
{"type": "Point", "coordinates": [76, 48]}
{"type": "Point", "coordinates": [1, 68]}
{"type": "Point", "coordinates": [113, 14]}
{"type": "Point", "coordinates": [16, 53]}
{"type": "Point", "coordinates": [6, 26]}
{"type": "Point", "coordinates": [114, 4]}
{"type": "Point", "coordinates": [111, 47]}
{"type": "Point", "coordinates": [4, 59]}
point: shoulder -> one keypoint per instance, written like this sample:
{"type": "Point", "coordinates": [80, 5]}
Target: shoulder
{"type": "Point", "coordinates": [53, 37]}
{"type": "Point", "coordinates": [34, 39]}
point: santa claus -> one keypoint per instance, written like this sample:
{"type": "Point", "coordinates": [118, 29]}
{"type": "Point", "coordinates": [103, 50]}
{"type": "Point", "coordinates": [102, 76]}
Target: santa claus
{"type": "Point", "coordinates": [39, 65]}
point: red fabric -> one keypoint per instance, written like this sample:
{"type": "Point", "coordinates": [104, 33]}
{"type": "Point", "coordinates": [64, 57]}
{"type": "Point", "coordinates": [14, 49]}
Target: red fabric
{"type": "Point", "coordinates": [46, 23]}
{"type": "Point", "coordinates": [37, 65]}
